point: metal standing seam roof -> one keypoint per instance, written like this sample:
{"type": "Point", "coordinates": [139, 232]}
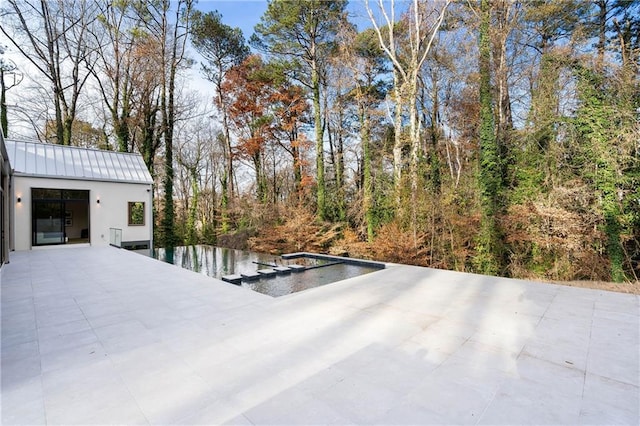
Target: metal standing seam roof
{"type": "Point", "coordinates": [70, 162]}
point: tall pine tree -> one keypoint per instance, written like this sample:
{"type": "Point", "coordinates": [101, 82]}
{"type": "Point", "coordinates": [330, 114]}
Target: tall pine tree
{"type": "Point", "coordinates": [301, 33]}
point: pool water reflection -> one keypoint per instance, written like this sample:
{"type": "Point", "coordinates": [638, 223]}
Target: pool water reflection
{"type": "Point", "coordinates": [219, 261]}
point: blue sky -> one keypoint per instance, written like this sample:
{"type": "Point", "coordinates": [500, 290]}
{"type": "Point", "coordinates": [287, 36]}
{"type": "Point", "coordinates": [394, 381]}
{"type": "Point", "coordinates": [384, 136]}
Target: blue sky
{"type": "Point", "coordinates": [245, 14]}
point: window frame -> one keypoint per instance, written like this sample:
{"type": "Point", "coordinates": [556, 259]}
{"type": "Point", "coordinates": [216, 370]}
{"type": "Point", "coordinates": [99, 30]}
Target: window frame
{"type": "Point", "coordinates": [130, 206]}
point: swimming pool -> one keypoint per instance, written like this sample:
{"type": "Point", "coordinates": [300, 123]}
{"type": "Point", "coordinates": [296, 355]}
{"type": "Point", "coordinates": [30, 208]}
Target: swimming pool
{"type": "Point", "coordinates": [220, 262]}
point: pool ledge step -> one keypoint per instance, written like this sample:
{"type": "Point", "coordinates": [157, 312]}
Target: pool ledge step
{"type": "Point", "coordinates": [296, 268]}
{"type": "Point", "coordinates": [267, 272]}
{"type": "Point", "coordinates": [233, 279]}
{"type": "Point", "coordinates": [250, 276]}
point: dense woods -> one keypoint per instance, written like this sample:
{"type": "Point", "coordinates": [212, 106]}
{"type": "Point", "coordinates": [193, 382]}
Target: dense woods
{"type": "Point", "coordinates": [491, 136]}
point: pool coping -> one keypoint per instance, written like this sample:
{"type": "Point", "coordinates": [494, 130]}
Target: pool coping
{"type": "Point", "coordinates": [349, 260]}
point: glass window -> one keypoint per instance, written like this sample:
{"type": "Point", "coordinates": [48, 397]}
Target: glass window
{"type": "Point", "coordinates": [46, 194]}
{"type": "Point", "coordinates": [59, 194]}
{"type": "Point", "coordinates": [70, 194]}
{"type": "Point", "coordinates": [136, 213]}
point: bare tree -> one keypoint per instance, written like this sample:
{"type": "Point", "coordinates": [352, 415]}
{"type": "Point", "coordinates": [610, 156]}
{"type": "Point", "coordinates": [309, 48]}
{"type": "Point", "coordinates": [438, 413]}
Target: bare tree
{"type": "Point", "coordinates": [146, 123]}
{"type": "Point", "coordinates": [52, 36]}
{"type": "Point", "coordinates": [169, 24]}
{"type": "Point", "coordinates": [10, 77]}
{"type": "Point", "coordinates": [116, 71]}
{"type": "Point", "coordinates": [190, 157]}
{"type": "Point", "coordinates": [422, 22]}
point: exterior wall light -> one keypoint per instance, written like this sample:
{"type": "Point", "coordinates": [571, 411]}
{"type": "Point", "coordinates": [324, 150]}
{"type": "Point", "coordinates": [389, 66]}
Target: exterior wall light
{"type": "Point", "coordinates": [19, 199]}
{"type": "Point", "coordinates": [98, 201]}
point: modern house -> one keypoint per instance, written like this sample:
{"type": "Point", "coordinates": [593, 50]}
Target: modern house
{"type": "Point", "coordinates": [60, 195]}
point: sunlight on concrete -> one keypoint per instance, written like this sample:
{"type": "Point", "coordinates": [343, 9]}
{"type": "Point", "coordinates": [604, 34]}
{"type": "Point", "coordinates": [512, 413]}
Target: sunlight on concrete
{"type": "Point", "coordinates": [103, 336]}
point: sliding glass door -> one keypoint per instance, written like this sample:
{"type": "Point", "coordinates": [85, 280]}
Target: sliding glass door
{"type": "Point", "coordinates": [59, 216]}
{"type": "Point", "coordinates": [48, 219]}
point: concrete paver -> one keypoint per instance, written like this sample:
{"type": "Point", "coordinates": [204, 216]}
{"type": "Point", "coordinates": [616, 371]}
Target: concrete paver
{"type": "Point", "coordinates": [104, 336]}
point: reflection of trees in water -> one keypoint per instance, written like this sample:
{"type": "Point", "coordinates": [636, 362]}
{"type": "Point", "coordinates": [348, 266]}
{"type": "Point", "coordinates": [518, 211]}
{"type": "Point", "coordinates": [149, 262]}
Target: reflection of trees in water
{"type": "Point", "coordinates": [294, 282]}
{"type": "Point", "coordinates": [218, 261]}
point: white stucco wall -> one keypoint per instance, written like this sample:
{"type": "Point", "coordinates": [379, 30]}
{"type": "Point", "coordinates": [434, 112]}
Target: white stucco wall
{"type": "Point", "coordinates": [111, 212]}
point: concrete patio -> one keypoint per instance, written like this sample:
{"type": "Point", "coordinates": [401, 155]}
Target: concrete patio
{"type": "Point", "coordinates": [106, 336]}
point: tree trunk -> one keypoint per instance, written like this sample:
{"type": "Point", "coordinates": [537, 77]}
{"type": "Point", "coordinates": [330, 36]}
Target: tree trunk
{"type": "Point", "coordinates": [416, 151]}
{"type": "Point", "coordinates": [602, 32]}
{"type": "Point", "coordinates": [225, 226]}
{"type": "Point", "coordinates": [261, 184]}
{"type": "Point", "coordinates": [339, 160]}
{"type": "Point", "coordinates": [167, 102]}
{"type": "Point", "coordinates": [175, 56]}
{"type": "Point", "coordinates": [488, 259]}
{"type": "Point", "coordinates": [504, 126]}
{"type": "Point", "coordinates": [149, 136]}
{"type": "Point", "coordinates": [321, 195]}
{"type": "Point", "coordinates": [226, 181]}
{"type": "Point", "coordinates": [167, 124]}
{"type": "Point", "coordinates": [192, 235]}
{"type": "Point", "coordinates": [435, 178]}
{"type": "Point", "coordinates": [3, 105]}
{"type": "Point", "coordinates": [121, 119]}
{"type": "Point", "coordinates": [367, 196]}
{"type": "Point", "coordinates": [297, 162]}
{"type": "Point", "coordinates": [227, 136]}
{"type": "Point", "coordinates": [397, 139]}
